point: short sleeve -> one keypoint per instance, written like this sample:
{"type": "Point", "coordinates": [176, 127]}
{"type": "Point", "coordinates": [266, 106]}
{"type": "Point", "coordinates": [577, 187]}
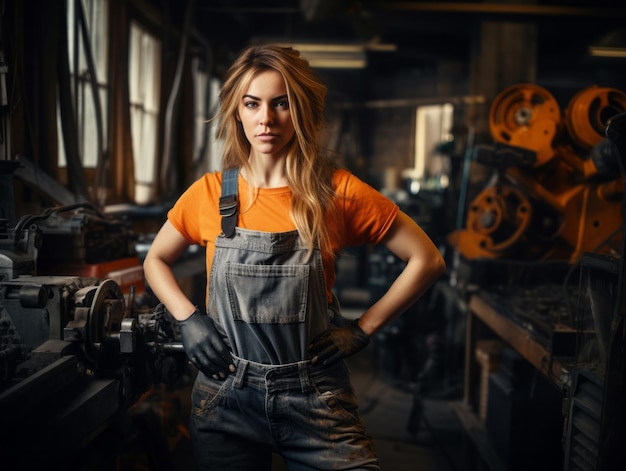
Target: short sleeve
{"type": "Point", "coordinates": [365, 214]}
{"type": "Point", "coordinates": [194, 213]}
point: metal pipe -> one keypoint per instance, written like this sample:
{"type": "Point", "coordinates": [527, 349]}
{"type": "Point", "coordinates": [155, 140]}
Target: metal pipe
{"type": "Point", "coordinates": [522, 9]}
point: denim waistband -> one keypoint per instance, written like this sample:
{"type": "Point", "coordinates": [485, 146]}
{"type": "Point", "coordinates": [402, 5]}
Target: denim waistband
{"type": "Point", "coordinates": [302, 374]}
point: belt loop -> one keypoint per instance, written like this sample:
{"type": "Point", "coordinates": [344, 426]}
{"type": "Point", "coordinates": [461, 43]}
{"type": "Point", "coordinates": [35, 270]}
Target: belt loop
{"type": "Point", "coordinates": [303, 373]}
{"type": "Point", "coordinates": [242, 366]}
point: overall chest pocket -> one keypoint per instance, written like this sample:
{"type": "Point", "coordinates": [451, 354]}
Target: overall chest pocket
{"type": "Point", "coordinates": [262, 294]}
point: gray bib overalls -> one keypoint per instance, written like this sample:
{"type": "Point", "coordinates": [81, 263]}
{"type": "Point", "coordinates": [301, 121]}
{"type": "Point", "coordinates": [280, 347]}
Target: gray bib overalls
{"type": "Point", "coordinates": [267, 295]}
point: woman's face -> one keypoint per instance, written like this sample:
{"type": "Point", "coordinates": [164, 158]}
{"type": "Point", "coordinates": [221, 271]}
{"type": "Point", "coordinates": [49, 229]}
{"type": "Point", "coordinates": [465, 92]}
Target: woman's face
{"type": "Point", "coordinates": [265, 115]}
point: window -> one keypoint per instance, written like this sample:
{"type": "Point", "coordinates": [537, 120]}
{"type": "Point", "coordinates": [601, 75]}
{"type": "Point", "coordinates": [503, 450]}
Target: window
{"type": "Point", "coordinates": [85, 109]}
{"type": "Point", "coordinates": [214, 159]}
{"type": "Point", "coordinates": [201, 96]}
{"type": "Point", "coordinates": [145, 86]}
{"type": "Point", "coordinates": [433, 127]}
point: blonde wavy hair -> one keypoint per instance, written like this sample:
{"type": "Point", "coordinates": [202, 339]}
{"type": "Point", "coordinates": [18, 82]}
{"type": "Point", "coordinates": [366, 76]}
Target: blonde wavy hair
{"type": "Point", "coordinates": [309, 172]}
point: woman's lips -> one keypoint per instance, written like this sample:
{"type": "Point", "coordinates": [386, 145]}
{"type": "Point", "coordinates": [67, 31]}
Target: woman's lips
{"type": "Point", "coordinates": [266, 137]}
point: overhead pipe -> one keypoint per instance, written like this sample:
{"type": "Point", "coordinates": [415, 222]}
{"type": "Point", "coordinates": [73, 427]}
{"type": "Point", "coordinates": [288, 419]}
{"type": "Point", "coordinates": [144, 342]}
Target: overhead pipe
{"type": "Point", "coordinates": [520, 9]}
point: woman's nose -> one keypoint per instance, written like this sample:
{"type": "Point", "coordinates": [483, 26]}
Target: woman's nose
{"type": "Point", "coordinates": [266, 116]}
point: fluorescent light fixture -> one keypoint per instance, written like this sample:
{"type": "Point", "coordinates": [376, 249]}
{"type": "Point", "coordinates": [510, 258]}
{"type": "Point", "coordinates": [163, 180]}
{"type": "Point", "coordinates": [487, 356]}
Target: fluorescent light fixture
{"type": "Point", "coordinates": [612, 44]}
{"type": "Point", "coordinates": [332, 56]}
{"type": "Point", "coordinates": [336, 60]}
{"type": "Point", "coordinates": [338, 56]}
{"type": "Point", "coordinates": [597, 51]}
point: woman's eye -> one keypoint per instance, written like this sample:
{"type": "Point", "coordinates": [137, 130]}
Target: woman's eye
{"type": "Point", "coordinates": [250, 104]}
{"type": "Point", "coordinates": [282, 104]}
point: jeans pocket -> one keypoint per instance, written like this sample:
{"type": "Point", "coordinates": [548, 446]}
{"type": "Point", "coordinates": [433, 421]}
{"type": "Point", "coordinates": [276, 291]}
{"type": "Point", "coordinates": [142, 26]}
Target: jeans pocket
{"type": "Point", "coordinates": [337, 396]}
{"type": "Point", "coordinates": [207, 393]}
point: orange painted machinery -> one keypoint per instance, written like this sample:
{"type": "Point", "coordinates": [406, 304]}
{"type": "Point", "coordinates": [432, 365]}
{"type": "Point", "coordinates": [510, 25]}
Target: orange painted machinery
{"type": "Point", "coordinates": [558, 186]}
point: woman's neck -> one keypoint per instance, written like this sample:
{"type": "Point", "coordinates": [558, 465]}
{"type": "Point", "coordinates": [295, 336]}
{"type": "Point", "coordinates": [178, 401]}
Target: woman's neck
{"type": "Point", "coordinates": [265, 172]}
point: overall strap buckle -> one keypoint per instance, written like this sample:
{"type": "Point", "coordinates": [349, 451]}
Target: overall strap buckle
{"type": "Point", "coordinates": [228, 204]}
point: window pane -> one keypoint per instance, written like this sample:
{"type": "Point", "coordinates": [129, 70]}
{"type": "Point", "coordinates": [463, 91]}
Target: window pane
{"type": "Point", "coordinates": [215, 147]}
{"type": "Point", "coordinates": [144, 83]}
{"type": "Point", "coordinates": [96, 16]}
{"type": "Point", "coordinates": [201, 114]}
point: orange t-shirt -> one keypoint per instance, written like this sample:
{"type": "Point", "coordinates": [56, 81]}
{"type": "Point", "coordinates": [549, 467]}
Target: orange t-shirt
{"type": "Point", "coordinates": [364, 215]}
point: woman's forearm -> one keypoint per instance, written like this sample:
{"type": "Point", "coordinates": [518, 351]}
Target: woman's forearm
{"type": "Point", "coordinates": [162, 281]}
{"type": "Point", "coordinates": [406, 289]}
{"type": "Point", "coordinates": [424, 265]}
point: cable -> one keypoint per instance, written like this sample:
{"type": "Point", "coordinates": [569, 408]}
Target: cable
{"type": "Point", "coordinates": [100, 177]}
{"type": "Point", "coordinates": [438, 444]}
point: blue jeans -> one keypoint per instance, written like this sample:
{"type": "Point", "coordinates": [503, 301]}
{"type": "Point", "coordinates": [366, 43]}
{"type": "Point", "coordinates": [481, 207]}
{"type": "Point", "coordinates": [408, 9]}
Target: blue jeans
{"type": "Point", "coordinates": [306, 414]}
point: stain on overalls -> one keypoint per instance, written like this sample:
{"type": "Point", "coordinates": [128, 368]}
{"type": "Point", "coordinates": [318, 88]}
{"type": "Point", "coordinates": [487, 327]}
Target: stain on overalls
{"type": "Point", "coordinates": [268, 297]}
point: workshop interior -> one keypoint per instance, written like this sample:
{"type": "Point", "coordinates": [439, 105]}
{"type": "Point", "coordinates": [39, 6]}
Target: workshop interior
{"type": "Point", "coordinates": [499, 126]}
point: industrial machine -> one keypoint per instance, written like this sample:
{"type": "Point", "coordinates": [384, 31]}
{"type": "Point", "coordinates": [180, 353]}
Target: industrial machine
{"type": "Point", "coordinates": [557, 191]}
{"type": "Point", "coordinates": [543, 243]}
{"type": "Point", "coordinates": [76, 353]}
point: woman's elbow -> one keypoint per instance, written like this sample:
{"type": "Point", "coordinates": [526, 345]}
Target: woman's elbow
{"type": "Point", "coordinates": [440, 264]}
{"type": "Point", "coordinates": [151, 264]}
{"type": "Point", "coordinates": [147, 266]}
{"type": "Point", "coordinates": [434, 265]}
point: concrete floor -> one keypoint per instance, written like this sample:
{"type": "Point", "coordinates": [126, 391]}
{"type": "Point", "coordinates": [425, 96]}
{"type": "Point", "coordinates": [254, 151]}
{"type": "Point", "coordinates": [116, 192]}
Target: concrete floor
{"type": "Point", "coordinates": [386, 407]}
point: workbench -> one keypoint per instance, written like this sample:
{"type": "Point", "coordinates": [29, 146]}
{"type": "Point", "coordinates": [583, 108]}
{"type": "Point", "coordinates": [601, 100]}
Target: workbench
{"type": "Point", "coordinates": [483, 316]}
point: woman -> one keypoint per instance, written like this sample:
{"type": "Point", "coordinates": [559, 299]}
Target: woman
{"type": "Point", "coordinates": [270, 349]}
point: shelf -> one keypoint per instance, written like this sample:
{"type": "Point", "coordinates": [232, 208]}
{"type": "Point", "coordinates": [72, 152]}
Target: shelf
{"type": "Point", "coordinates": [519, 339]}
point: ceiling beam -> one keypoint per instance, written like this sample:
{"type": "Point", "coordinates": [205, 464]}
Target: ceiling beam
{"type": "Point", "coordinates": [516, 9]}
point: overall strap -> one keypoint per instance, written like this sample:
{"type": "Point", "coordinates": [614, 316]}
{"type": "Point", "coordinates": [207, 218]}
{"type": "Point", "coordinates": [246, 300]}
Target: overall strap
{"type": "Point", "coordinates": [228, 201]}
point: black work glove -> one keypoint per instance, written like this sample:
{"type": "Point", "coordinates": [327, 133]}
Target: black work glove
{"type": "Point", "coordinates": [204, 345]}
{"type": "Point", "coordinates": [338, 342]}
